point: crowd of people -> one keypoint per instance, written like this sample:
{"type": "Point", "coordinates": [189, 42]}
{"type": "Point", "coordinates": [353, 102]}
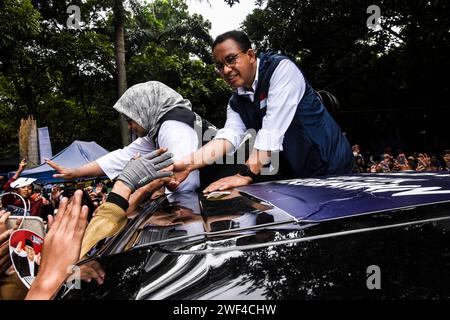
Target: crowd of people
{"type": "Point", "coordinates": [18, 192]}
{"type": "Point", "coordinates": [390, 161]}
{"type": "Point", "coordinates": [272, 97]}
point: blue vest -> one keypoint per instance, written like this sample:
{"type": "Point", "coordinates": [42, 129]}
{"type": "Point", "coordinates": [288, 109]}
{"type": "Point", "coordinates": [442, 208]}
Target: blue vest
{"type": "Point", "coordinates": [313, 144]}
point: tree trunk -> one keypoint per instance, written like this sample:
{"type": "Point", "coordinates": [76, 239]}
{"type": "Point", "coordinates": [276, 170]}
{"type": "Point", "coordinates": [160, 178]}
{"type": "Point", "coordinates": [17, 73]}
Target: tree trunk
{"type": "Point", "coordinates": [119, 43]}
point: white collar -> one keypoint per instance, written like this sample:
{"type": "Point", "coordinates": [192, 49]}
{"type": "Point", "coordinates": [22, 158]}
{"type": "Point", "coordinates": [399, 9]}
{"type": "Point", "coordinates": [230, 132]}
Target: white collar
{"type": "Point", "coordinates": [241, 90]}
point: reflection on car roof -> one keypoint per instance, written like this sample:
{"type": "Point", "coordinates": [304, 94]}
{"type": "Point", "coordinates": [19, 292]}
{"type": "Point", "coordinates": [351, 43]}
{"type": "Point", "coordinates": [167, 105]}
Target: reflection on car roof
{"type": "Point", "coordinates": [326, 198]}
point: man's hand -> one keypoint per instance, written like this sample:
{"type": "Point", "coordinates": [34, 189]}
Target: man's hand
{"type": "Point", "coordinates": [228, 182]}
{"type": "Point", "coordinates": [65, 173]}
{"type": "Point", "coordinates": [141, 171]}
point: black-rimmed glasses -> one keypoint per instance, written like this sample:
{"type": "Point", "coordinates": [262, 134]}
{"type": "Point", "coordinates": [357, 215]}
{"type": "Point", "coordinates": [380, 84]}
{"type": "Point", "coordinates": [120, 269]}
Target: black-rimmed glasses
{"type": "Point", "coordinates": [229, 61]}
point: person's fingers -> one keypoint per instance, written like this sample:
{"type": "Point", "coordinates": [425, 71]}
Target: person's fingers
{"type": "Point", "coordinates": [18, 223]}
{"type": "Point", "coordinates": [98, 268]}
{"type": "Point", "coordinates": [169, 168]}
{"type": "Point", "coordinates": [151, 155]}
{"type": "Point", "coordinates": [162, 165]}
{"type": "Point", "coordinates": [225, 186]}
{"type": "Point", "coordinates": [213, 186]}
{"type": "Point", "coordinates": [161, 158]}
{"type": "Point", "coordinates": [54, 165]}
{"type": "Point", "coordinates": [74, 212]}
{"type": "Point", "coordinates": [60, 175]}
{"type": "Point", "coordinates": [4, 265]}
{"type": "Point", "coordinates": [136, 156]}
{"type": "Point", "coordinates": [92, 273]}
{"type": "Point", "coordinates": [161, 151]}
{"type": "Point", "coordinates": [211, 189]}
{"type": "Point", "coordinates": [155, 153]}
{"type": "Point", "coordinates": [5, 260]}
{"type": "Point", "coordinates": [50, 220]}
{"type": "Point", "coordinates": [172, 186]}
{"type": "Point", "coordinates": [163, 174]}
{"type": "Point", "coordinates": [208, 188]}
{"type": "Point", "coordinates": [5, 236]}
{"type": "Point", "coordinates": [88, 274]}
{"type": "Point", "coordinates": [82, 223]}
{"type": "Point", "coordinates": [4, 216]}
{"type": "Point", "coordinates": [61, 213]}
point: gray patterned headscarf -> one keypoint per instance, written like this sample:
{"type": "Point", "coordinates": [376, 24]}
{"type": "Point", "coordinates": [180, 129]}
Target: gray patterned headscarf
{"type": "Point", "coordinates": [146, 103]}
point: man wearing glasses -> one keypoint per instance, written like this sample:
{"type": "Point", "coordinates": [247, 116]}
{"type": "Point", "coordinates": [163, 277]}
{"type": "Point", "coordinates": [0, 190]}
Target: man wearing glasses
{"type": "Point", "coordinates": [273, 98]}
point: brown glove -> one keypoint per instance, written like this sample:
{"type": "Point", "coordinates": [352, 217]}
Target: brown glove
{"type": "Point", "coordinates": [107, 222]}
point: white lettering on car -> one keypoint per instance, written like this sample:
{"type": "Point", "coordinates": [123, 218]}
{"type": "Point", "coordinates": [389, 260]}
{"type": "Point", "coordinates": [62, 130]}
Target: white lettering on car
{"type": "Point", "coordinates": [372, 184]}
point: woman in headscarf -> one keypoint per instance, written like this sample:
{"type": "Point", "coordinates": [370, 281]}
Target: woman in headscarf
{"type": "Point", "coordinates": [161, 118]}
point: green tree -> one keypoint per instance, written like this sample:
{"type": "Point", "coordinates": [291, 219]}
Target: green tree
{"type": "Point", "coordinates": [66, 78]}
{"type": "Point", "coordinates": [167, 44]}
{"type": "Point", "coordinates": [400, 66]}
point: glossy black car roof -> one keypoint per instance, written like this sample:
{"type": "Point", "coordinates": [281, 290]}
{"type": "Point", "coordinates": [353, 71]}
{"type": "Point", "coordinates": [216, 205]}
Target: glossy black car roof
{"type": "Point", "coordinates": [237, 246]}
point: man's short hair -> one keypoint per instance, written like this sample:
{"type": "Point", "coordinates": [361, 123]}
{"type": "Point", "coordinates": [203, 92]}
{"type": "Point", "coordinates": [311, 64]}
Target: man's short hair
{"type": "Point", "coordinates": [29, 243]}
{"type": "Point", "coordinates": [239, 37]}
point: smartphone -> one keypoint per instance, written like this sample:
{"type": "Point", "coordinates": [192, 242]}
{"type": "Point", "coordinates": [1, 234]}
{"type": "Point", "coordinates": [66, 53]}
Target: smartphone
{"type": "Point", "coordinates": [35, 224]}
{"type": "Point", "coordinates": [15, 211]}
{"type": "Point", "coordinates": [401, 159]}
{"type": "Point", "coordinates": [85, 200]}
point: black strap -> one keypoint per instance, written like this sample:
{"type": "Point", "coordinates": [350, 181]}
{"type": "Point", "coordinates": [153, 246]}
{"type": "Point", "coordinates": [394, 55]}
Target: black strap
{"type": "Point", "coordinates": [118, 200]}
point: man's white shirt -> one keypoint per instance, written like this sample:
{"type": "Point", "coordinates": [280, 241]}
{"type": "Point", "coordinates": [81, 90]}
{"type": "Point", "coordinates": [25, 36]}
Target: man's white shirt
{"type": "Point", "coordinates": [287, 87]}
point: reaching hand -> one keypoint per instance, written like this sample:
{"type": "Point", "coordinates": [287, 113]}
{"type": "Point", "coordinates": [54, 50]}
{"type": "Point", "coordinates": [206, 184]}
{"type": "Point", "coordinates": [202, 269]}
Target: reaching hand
{"type": "Point", "coordinates": [424, 162]}
{"type": "Point", "coordinates": [65, 173]}
{"type": "Point", "coordinates": [61, 248]}
{"type": "Point", "coordinates": [22, 164]}
{"type": "Point", "coordinates": [141, 171]}
{"type": "Point", "coordinates": [228, 182]}
{"type": "Point", "coordinates": [180, 172]}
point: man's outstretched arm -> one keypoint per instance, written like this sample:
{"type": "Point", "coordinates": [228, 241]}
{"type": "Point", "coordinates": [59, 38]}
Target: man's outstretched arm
{"type": "Point", "coordinates": [206, 155]}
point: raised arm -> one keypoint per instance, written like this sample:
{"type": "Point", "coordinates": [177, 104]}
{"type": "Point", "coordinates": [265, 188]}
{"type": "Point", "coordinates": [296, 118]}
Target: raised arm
{"type": "Point", "coordinates": [91, 169]}
{"type": "Point", "coordinates": [61, 249]}
{"type": "Point", "coordinates": [22, 166]}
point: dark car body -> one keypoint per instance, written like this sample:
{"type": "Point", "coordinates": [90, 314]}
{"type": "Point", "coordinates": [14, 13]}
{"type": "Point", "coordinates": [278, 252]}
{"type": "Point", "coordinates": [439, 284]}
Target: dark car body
{"type": "Point", "coordinates": [377, 236]}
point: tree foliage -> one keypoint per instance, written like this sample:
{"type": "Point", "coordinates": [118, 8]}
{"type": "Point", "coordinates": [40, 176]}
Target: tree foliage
{"type": "Point", "coordinates": [66, 78]}
{"type": "Point", "coordinates": [399, 66]}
